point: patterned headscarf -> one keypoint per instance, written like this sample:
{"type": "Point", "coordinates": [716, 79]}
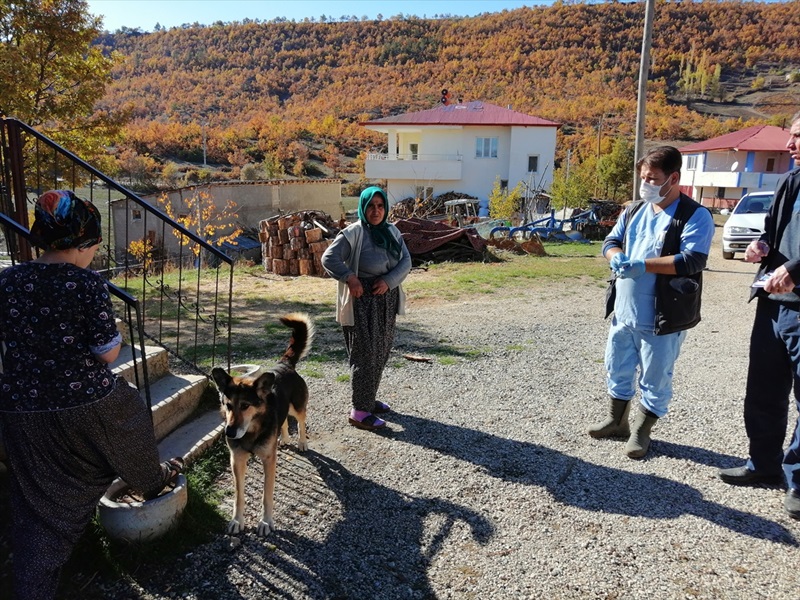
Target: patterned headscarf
{"type": "Point", "coordinates": [63, 221]}
{"type": "Point", "coordinates": [381, 235]}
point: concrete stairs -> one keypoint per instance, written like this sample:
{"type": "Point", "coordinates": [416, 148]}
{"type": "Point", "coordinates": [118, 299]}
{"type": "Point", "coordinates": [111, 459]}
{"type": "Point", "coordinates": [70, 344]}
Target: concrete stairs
{"type": "Point", "coordinates": [181, 428]}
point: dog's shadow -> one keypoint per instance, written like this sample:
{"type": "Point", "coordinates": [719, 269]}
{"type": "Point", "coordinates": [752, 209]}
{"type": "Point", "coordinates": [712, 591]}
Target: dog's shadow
{"type": "Point", "coordinates": [378, 542]}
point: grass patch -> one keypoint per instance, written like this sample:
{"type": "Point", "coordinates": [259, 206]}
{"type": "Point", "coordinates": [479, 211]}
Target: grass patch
{"type": "Point", "coordinates": [343, 377]}
{"type": "Point", "coordinates": [311, 372]}
{"type": "Point", "coordinates": [451, 281]}
{"type": "Point", "coordinates": [447, 360]}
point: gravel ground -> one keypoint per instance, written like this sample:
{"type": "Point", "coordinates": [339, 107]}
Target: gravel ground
{"type": "Point", "coordinates": [486, 484]}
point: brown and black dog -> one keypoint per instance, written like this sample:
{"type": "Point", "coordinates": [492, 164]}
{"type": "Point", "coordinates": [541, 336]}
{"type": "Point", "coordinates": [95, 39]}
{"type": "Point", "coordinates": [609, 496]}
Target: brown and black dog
{"type": "Point", "coordinates": [256, 408]}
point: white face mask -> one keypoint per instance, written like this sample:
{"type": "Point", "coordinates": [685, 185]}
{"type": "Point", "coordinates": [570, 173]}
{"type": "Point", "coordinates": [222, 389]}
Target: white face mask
{"type": "Point", "coordinates": [650, 192]}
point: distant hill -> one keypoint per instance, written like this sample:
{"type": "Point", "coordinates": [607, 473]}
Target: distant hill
{"type": "Point", "coordinates": [289, 93]}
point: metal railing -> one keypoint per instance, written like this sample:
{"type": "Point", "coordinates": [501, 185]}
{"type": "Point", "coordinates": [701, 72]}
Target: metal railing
{"type": "Point", "coordinates": [177, 285]}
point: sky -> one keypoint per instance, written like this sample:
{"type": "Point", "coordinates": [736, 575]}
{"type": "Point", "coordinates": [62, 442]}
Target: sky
{"type": "Point", "coordinates": [144, 14]}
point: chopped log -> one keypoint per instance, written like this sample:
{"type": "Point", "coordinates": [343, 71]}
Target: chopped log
{"type": "Point", "coordinates": [306, 266]}
{"type": "Point", "coordinates": [304, 253]}
{"type": "Point", "coordinates": [294, 267]}
{"type": "Point", "coordinates": [280, 267]}
{"type": "Point", "coordinates": [263, 236]}
{"type": "Point", "coordinates": [288, 253]}
{"type": "Point", "coordinates": [297, 242]}
{"type": "Point", "coordinates": [283, 236]}
{"type": "Point", "coordinates": [313, 235]}
{"type": "Point", "coordinates": [319, 247]}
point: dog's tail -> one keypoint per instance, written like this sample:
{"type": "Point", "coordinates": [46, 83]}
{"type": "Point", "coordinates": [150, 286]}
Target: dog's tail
{"type": "Point", "coordinates": [302, 334]}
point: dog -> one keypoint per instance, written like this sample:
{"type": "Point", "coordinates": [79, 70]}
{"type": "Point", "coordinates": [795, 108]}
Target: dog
{"type": "Point", "coordinates": [255, 408]}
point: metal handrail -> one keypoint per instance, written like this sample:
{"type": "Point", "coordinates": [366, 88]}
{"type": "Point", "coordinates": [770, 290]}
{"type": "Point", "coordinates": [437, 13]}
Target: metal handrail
{"type": "Point", "coordinates": [169, 309]}
{"type": "Point", "coordinates": [131, 303]}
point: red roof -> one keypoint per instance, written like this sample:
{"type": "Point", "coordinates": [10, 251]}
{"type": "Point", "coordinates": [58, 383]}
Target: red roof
{"type": "Point", "coordinates": [471, 113]}
{"type": "Point", "coordinates": [764, 138]}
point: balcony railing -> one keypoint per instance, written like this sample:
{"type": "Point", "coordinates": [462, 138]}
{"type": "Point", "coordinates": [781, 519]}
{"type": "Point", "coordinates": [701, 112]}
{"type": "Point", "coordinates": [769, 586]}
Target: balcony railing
{"type": "Point", "coordinates": [417, 167]}
{"type": "Point", "coordinates": [423, 157]}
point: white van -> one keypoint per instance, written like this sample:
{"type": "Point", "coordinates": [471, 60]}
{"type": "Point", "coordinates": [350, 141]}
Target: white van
{"type": "Point", "coordinates": [745, 223]}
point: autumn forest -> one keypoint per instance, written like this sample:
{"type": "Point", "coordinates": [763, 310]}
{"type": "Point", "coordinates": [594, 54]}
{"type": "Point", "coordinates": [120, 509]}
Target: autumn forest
{"type": "Point", "coordinates": [274, 95]}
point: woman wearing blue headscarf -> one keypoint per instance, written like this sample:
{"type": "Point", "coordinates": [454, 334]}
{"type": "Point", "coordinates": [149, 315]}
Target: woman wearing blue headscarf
{"type": "Point", "coordinates": [370, 261]}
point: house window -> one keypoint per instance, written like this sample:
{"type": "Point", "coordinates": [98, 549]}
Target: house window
{"type": "Point", "coordinates": [424, 193]}
{"type": "Point", "coordinates": [504, 184]}
{"type": "Point", "coordinates": [414, 149]}
{"type": "Point", "coordinates": [770, 165]}
{"type": "Point", "coordinates": [691, 163]}
{"type": "Point", "coordinates": [136, 215]}
{"type": "Point", "coordinates": [721, 192]}
{"type": "Point", "coordinates": [486, 147]}
{"type": "Point", "coordinates": [533, 164]}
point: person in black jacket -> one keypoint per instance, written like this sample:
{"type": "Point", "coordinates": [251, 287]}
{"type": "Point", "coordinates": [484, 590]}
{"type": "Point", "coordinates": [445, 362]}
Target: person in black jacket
{"type": "Point", "coordinates": [774, 366]}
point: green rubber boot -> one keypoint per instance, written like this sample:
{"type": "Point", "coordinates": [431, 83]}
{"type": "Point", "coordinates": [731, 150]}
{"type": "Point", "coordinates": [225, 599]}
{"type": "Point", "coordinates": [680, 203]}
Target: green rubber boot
{"type": "Point", "coordinates": [616, 424]}
{"type": "Point", "coordinates": [639, 442]}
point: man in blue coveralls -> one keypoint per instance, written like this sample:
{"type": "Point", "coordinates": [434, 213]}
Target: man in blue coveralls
{"type": "Point", "coordinates": [774, 367]}
{"type": "Point", "coordinates": [657, 250]}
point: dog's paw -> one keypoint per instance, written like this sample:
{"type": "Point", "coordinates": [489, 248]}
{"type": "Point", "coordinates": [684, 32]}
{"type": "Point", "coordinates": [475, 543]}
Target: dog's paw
{"type": "Point", "coordinates": [234, 527]}
{"type": "Point", "coordinates": [302, 445]}
{"type": "Point", "coordinates": [265, 527]}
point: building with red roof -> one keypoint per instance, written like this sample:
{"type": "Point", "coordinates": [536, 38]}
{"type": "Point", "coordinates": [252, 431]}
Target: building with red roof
{"type": "Point", "coordinates": [463, 147]}
{"type": "Point", "coordinates": [719, 171]}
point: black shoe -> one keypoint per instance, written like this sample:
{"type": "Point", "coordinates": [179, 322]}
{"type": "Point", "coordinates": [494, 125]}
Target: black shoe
{"type": "Point", "coordinates": [745, 476]}
{"type": "Point", "coordinates": [792, 503]}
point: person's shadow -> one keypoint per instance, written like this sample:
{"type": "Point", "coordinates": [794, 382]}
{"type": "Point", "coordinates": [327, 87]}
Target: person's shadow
{"type": "Point", "coordinates": [577, 482]}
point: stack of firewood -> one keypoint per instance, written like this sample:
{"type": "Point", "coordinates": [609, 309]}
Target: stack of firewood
{"type": "Point", "coordinates": [293, 244]}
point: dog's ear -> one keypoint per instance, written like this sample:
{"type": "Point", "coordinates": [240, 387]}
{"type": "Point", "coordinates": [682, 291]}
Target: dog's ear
{"type": "Point", "coordinates": [221, 378]}
{"type": "Point", "coordinates": [264, 384]}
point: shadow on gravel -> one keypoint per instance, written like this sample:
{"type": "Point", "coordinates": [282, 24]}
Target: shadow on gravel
{"type": "Point", "coordinates": [382, 546]}
{"type": "Point", "coordinates": [697, 455]}
{"type": "Point", "coordinates": [372, 542]}
{"type": "Point", "coordinates": [582, 484]}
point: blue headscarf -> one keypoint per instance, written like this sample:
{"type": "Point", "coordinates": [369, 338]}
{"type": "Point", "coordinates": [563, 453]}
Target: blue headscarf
{"type": "Point", "coordinates": [381, 234]}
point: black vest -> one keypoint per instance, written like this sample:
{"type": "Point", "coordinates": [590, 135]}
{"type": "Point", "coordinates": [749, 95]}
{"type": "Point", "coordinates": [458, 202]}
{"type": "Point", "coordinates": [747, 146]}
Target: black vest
{"type": "Point", "coordinates": [677, 296]}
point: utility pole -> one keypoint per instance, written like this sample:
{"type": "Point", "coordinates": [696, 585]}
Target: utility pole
{"type": "Point", "coordinates": [204, 125]}
{"type": "Point", "coordinates": [644, 71]}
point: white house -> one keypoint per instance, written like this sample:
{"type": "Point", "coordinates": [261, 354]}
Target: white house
{"type": "Point", "coordinates": [719, 171]}
{"type": "Point", "coordinates": [462, 148]}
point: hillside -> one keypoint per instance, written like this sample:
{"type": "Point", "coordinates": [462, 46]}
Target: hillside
{"type": "Point", "coordinates": [288, 92]}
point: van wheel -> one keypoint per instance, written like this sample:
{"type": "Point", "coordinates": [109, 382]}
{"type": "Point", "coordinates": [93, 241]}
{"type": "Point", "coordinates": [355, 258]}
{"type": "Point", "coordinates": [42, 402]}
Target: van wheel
{"type": "Point", "coordinates": [727, 255]}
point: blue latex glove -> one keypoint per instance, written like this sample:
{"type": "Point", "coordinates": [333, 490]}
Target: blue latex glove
{"type": "Point", "coordinates": [616, 260]}
{"type": "Point", "coordinates": [631, 269]}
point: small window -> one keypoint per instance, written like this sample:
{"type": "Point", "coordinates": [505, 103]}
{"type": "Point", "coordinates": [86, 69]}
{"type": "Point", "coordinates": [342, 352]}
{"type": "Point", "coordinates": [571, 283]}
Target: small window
{"type": "Point", "coordinates": [486, 147]}
{"type": "Point", "coordinates": [504, 184]}
{"type": "Point", "coordinates": [423, 193]}
{"type": "Point", "coordinates": [691, 163]}
{"type": "Point", "coordinates": [136, 215]}
{"type": "Point", "coordinates": [770, 165]}
{"type": "Point", "coordinates": [533, 164]}
{"type": "Point", "coordinates": [721, 192]}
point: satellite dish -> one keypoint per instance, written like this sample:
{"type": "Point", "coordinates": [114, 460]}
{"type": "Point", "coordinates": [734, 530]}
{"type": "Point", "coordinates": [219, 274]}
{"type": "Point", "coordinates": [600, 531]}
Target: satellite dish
{"type": "Point", "coordinates": [734, 166]}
